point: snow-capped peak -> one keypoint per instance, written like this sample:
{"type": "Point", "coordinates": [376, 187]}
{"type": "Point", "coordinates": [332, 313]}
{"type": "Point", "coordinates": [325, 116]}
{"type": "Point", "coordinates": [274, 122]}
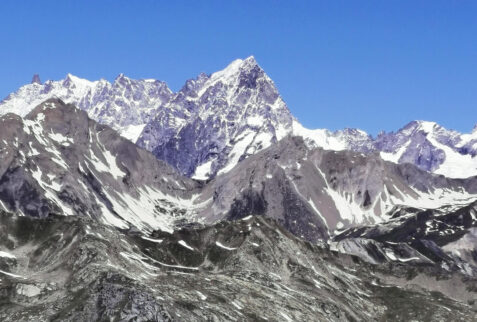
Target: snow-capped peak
{"type": "Point", "coordinates": [79, 87]}
{"type": "Point", "coordinates": [250, 62]}
{"type": "Point", "coordinates": [425, 144]}
{"type": "Point", "coordinates": [426, 126]}
{"type": "Point", "coordinates": [78, 81]}
{"type": "Point", "coordinates": [231, 70]}
{"type": "Point", "coordinates": [419, 126]}
{"type": "Point", "coordinates": [251, 58]}
{"type": "Point", "coordinates": [431, 147]}
{"type": "Point", "coordinates": [318, 138]}
{"type": "Point", "coordinates": [230, 75]}
{"type": "Point", "coordinates": [219, 120]}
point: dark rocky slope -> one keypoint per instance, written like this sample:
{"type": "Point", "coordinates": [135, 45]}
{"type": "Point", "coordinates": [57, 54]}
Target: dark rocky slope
{"type": "Point", "coordinates": [72, 269]}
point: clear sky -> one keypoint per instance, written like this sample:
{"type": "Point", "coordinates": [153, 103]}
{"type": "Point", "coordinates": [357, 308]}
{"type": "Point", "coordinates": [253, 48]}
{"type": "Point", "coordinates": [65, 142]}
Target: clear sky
{"type": "Point", "coordinates": [375, 65]}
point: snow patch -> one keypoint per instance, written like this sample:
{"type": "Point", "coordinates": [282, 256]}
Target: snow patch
{"type": "Point", "coordinates": [184, 244]}
{"type": "Point", "coordinates": [152, 239]}
{"type": "Point", "coordinates": [203, 171]}
{"type": "Point", "coordinates": [61, 139]}
{"type": "Point", "coordinates": [6, 255]}
{"type": "Point", "coordinates": [224, 247]}
{"type": "Point", "coordinates": [132, 132]}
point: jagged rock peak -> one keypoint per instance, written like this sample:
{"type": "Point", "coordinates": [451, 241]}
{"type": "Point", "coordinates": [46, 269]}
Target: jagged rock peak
{"type": "Point", "coordinates": [121, 78]}
{"type": "Point", "coordinates": [419, 125]}
{"type": "Point", "coordinates": [36, 79]}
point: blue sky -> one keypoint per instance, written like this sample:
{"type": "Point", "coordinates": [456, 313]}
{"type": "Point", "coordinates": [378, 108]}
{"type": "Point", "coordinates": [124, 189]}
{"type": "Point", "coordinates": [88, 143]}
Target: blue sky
{"type": "Point", "coordinates": [375, 65]}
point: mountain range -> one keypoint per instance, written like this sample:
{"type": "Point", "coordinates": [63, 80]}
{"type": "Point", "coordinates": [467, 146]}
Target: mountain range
{"type": "Point", "coordinates": [217, 120]}
{"type": "Point", "coordinates": [57, 160]}
{"type": "Point", "coordinates": [126, 201]}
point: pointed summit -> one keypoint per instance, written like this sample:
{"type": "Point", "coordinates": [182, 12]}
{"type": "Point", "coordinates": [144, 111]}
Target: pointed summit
{"type": "Point", "coordinates": [69, 80]}
{"type": "Point", "coordinates": [419, 126]}
{"type": "Point", "coordinates": [229, 71]}
{"type": "Point", "coordinates": [250, 58]}
{"type": "Point", "coordinates": [78, 84]}
{"type": "Point", "coordinates": [36, 79]}
{"type": "Point", "coordinates": [121, 79]}
{"type": "Point", "coordinates": [250, 61]}
{"type": "Point", "coordinates": [241, 72]}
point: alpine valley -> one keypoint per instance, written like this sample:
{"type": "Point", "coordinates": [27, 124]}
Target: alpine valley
{"type": "Point", "coordinates": [127, 201]}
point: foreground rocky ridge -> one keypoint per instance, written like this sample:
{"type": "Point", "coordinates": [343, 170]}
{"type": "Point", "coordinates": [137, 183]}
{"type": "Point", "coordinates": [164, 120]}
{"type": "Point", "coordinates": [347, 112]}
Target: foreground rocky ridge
{"type": "Point", "coordinates": [71, 269]}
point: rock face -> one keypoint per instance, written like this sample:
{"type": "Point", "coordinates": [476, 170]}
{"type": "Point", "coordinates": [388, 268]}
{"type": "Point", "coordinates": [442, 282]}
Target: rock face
{"type": "Point", "coordinates": [57, 160]}
{"type": "Point", "coordinates": [36, 79]}
{"type": "Point", "coordinates": [72, 269]}
{"type": "Point", "coordinates": [216, 121]}
{"type": "Point", "coordinates": [315, 193]}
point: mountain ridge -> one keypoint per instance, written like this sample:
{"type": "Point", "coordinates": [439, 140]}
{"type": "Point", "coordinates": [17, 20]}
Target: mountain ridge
{"type": "Point", "coordinates": [215, 121]}
{"type": "Point", "coordinates": [311, 191]}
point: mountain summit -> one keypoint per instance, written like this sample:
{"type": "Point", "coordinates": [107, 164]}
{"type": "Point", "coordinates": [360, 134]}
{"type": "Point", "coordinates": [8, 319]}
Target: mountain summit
{"type": "Point", "coordinates": [218, 120]}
